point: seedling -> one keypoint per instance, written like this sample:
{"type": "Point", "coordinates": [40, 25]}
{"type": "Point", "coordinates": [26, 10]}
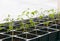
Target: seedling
{"type": "Point", "coordinates": [58, 15]}
{"type": "Point", "coordinates": [10, 23]}
{"type": "Point", "coordinates": [51, 16]}
{"type": "Point", "coordinates": [46, 24]}
{"type": "Point", "coordinates": [20, 23]}
{"type": "Point", "coordinates": [1, 28]}
{"type": "Point", "coordinates": [41, 17]}
{"type": "Point", "coordinates": [34, 12]}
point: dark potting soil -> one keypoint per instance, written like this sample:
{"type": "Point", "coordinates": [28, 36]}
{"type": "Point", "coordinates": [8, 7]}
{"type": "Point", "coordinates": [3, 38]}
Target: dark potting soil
{"type": "Point", "coordinates": [40, 24]}
{"type": "Point", "coordinates": [27, 29]}
{"type": "Point", "coordinates": [36, 20]}
{"type": "Point", "coordinates": [41, 21]}
{"type": "Point", "coordinates": [27, 36]}
{"type": "Point", "coordinates": [26, 21]}
{"type": "Point", "coordinates": [3, 30]}
{"type": "Point", "coordinates": [16, 22]}
{"type": "Point", "coordinates": [14, 39]}
{"type": "Point", "coordinates": [38, 32]}
{"type": "Point", "coordinates": [46, 29]}
{"type": "Point", "coordinates": [3, 36]}
{"type": "Point", "coordinates": [56, 27]}
{"type": "Point", "coordinates": [37, 27]}
{"type": "Point", "coordinates": [57, 21]}
{"type": "Point", "coordinates": [32, 27]}
{"type": "Point", "coordinates": [14, 33]}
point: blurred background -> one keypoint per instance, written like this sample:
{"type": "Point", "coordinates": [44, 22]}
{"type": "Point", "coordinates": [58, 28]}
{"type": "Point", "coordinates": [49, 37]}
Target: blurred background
{"type": "Point", "coordinates": [15, 7]}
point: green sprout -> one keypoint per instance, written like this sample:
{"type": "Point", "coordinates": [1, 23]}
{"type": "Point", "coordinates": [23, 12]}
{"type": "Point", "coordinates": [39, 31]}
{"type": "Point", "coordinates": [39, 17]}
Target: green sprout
{"type": "Point", "coordinates": [8, 21]}
{"type": "Point", "coordinates": [41, 17]}
{"type": "Point", "coordinates": [1, 28]}
{"type": "Point", "coordinates": [20, 23]}
{"type": "Point", "coordinates": [51, 16]}
{"type": "Point", "coordinates": [32, 23]}
{"type": "Point", "coordinates": [27, 26]}
{"type": "Point", "coordinates": [58, 15]}
{"type": "Point", "coordinates": [34, 12]}
{"type": "Point", "coordinates": [10, 24]}
{"type": "Point", "coordinates": [46, 23]}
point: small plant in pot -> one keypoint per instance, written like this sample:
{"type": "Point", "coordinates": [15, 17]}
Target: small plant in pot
{"type": "Point", "coordinates": [22, 25]}
{"type": "Point", "coordinates": [10, 27]}
{"type": "Point", "coordinates": [46, 24]}
{"type": "Point", "coordinates": [31, 20]}
{"type": "Point", "coordinates": [51, 16]}
{"type": "Point", "coordinates": [41, 18]}
{"type": "Point", "coordinates": [32, 23]}
{"type": "Point", "coordinates": [58, 15]}
{"type": "Point", "coordinates": [37, 31]}
{"type": "Point", "coordinates": [58, 18]}
{"type": "Point", "coordinates": [33, 13]}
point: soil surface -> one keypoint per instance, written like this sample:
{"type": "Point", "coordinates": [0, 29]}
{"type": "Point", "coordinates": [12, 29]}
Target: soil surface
{"type": "Point", "coordinates": [38, 32]}
{"type": "Point", "coordinates": [27, 36]}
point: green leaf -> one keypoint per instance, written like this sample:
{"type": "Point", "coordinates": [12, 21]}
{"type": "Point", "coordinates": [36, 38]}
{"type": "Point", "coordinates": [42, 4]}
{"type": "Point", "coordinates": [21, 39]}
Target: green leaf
{"type": "Point", "coordinates": [1, 28]}
{"type": "Point", "coordinates": [51, 15]}
{"type": "Point", "coordinates": [41, 17]}
{"type": "Point", "coordinates": [34, 12]}
{"type": "Point", "coordinates": [26, 25]}
{"type": "Point", "coordinates": [32, 23]}
{"type": "Point", "coordinates": [46, 23]}
{"type": "Point", "coordinates": [10, 26]}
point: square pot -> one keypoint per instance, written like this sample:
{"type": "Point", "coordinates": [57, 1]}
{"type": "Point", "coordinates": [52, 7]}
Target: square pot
{"type": "Point", "coordinates": [14, 33]}
{"type": "Point", "coordinates": [14, 39]}
{"type": "Point", "coordinates": [5, 26]}
{"type": "Point", "coordinates": [58, 28]}
{"type": "Point", "coordinates": [36, 19]}
{"type": "Point", "coordinates": [48, 30]}
{"type": "Point", "coordinates": [26, 21]}
{"type": "Point", "coordinates": [3, 30]}
{"type": "Point", "coordinates": [46, 19]}
{"type": "Point", "coordinates": [26, 29]}
{"type": "Point", "coordinates": [41, 24]}
{"type": "Point", "coordinates": [57, 21]}
{"type": "Point", "coordinates": [43, 36]}
{"type": "Point", "coordinates": [44, 25]}
{"type": "Point", "coordinates": [41, 21]}
{"type": "Point", "coordinates": [28, 37]}
{"type": "Point", "coordinates": [3, 37]}
{"type": "Point", "coordinates": [52, 35]}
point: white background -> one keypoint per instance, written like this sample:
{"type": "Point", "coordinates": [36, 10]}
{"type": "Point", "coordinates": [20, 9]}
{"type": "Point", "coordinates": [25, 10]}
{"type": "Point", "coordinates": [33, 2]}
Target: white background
{"type": "Point", "coordinates": [15, 7]}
